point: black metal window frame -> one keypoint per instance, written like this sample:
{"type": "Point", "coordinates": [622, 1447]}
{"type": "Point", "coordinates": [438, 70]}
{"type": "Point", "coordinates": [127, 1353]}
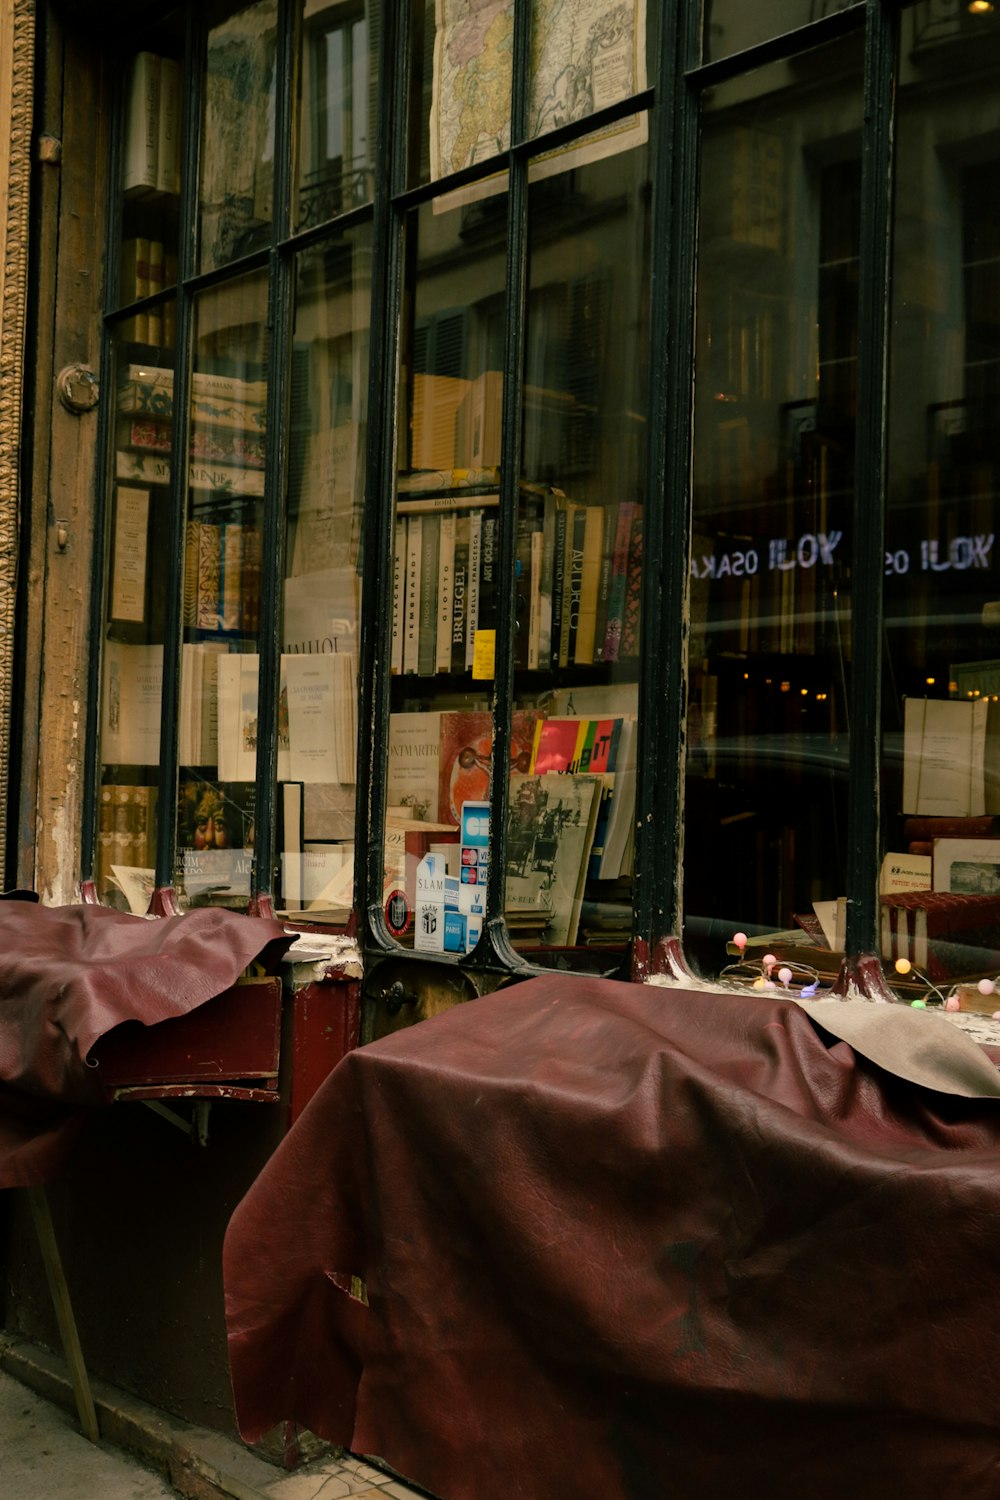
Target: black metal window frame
{"type": "Point", "coordinates": [679, 76]}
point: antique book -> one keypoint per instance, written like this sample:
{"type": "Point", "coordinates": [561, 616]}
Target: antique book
{"type": "Point", "coordinates": [550, 832]}
{"type": "Point", "coordinates": [142, 125]}
{"type": "Point", "coordinates": [944, 742]}
{"type": "Point", "coordinates": [413, 767]}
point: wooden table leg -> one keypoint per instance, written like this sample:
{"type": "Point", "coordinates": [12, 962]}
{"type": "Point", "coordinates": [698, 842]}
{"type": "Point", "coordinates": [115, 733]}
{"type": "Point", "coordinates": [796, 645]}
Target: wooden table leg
{"type": "Point", "coordinates": [51, 1259]}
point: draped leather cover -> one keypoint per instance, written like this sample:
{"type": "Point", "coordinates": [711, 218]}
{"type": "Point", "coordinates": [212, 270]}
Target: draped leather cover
{"type": "Point", "coordinates": [68, 974]}
{"type": "Point", "coordinates": [630, 1244]}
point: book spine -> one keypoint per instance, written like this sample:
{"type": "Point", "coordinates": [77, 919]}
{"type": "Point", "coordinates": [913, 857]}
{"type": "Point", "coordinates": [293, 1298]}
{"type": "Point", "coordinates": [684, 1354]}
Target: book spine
{"type": "Point", "coordinates": [472, 589]}
{"type": "Point", "coordinates": [233, 577]}
{"type": "Point", "coordinates": [216, 478]}
{"type": "Point", "coordinates": [430, 549]}
{"type": "Point", "coordinates": [604, 580]}
{"type": "Point", "coordinates": [633, 588]}
{"type": "Point", "coordinates": [558, 580]}
{"type": "Point", "coordinates": [619, 576]}
{"type": "Point", "coordinates": [574, 583]}
{"type": "Point", "coordinates": [535, 605]}
{"type": "Point", "coordinates": [545, 583]}
{"type": "Point", "coordinates": [460, 584]}
{"type": "Point", "coordinates": [135, 283]}
{"type": "Point", "coordinates": [590, 569]}
{"type": "Point", "coordinates": [168, 128]}
{"type": "Point", "coordinates": [192, 545]}
{"type": "Point", "coordinates": [142, 125]}
{"type": "Point", "coordinates": [411, 634]}
{"type": "Point", "coordinates": [446, 568]}
{"type": "Point", "coordinates": [488, 571]}
{"type": "Point", "coordinates": [154, 318]}
{"type": "Point", "coordinates": [398, 596]}
{"type": "Point", "coordinates": [209, 576]}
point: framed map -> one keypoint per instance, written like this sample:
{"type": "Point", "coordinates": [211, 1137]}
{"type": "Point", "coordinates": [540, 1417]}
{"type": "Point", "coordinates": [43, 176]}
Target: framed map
{"type": "Point", "coordinates": [585, 56]}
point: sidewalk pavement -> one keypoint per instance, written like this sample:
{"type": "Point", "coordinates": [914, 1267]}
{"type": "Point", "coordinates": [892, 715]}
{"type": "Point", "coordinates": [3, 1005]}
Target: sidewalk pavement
{"type": "Point", "coordinates": [144, 1454]}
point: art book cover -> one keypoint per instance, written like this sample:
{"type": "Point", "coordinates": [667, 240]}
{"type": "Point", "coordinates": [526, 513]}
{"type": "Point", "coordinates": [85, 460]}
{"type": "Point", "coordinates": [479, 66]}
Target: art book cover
{"type": "Point", "coordinates": [466, 750]}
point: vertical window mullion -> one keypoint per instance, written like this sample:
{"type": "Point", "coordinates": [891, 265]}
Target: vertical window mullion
{"type": "Point", "coordinates": [494, 932]}
{"type": "Point", "coordinates": [665, 577]}
{"type": "Point", "coordinates": [164, 901]}
{"type": "Point", "coordinates": [870, 478]}
{"type": "Point", "coordinates": [280, 314]}
{"type": "Point", "coordinates": [376, 614]}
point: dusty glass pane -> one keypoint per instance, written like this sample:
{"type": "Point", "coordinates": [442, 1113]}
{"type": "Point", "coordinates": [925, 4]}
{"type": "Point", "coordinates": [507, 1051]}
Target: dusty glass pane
{"type": "Point", "coordinates": [732, 25]}
{"type": "Point", "coordinates": [770, 568]}
{"type": "Point", "coordinates": [321, 595]}
{"type": "Point", "coordinates": [219, 710]}
{"type": "Point", "coordinates": [236, 189]}
{"type": "Point", "coordinates": [940, 905]}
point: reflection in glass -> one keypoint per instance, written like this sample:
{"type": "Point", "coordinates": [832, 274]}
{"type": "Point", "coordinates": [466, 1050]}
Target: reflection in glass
{"type": "Point", "coordinates": [217, 729]}
{"type": "Point", "coordinates": [446, 582]}
{"type": "Point", "coordinates": [578, 564]}
{"type": "Point", "coordinates": [732, 25]}
{"type": "Point", "coordinates": [769, 651]}
{"type": "Point", "coordinates": [462, 66]}
{"type": "Point", "coordinates": [135, 619]}
{"type": "Point", "coordinates": [941, 686]}
{"type": "Point", "coordinates": [322, 587]}
{"type": "Point", "coordinates": [337, 109]}
{"type": "Point", "coordinates": [236, 198]}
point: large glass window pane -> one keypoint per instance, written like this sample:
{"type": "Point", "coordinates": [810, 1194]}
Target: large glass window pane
{"type": "Point", "coordinates": [338, 101]}
{"type": "Point", "coordinates": [578, 565]}
{"type": "Point", "coordinates": [446, 584]}
{"type": "Point", "coordinates": [135, 619]}
{"type": "Point", "coordinates": [940, 892]}
{"type": "Point", "coordinates": [769, 645]}
{"type": "Point", "coordinates": [236, 191]}
{"type": "Point", "coordinates": [322, 587]}
{"type": "Point", "coordinates": [732, 25]}
{"type": "Point", "coordinates": [217, 728]}
{"type": "Point", "coordinates": [460, 84]}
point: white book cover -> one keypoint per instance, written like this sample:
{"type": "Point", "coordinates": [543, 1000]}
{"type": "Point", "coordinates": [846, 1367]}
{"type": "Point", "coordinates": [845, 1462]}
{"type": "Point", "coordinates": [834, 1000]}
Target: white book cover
{"type": "Point", "coordinates": [944, 745]}
{"type": "Point", "coordinates": [446, 568]}
{"type": "Point", "coordinates": [128, 581]}
{"type": "Point", "coordinates": [411, 608]}
{"type": "Point", "coordinates": [130, 704]}
{"type": "Point", "coordinates": [414, 759]}
{"type": "Point", "coordinates": [398, 595]}
{"type": "Point", "coordinates": [311, 686]}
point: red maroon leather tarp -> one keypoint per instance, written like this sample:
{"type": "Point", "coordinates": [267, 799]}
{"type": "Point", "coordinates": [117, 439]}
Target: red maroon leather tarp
{"type": "Point", "coordinates": [68, 974]}
{"type": "Point", "coordinates": [624, 1243]}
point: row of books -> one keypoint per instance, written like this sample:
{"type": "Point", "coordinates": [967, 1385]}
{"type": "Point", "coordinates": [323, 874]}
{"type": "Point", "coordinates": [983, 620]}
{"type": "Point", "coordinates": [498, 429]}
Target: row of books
{"type": "Point", "coordinates": [439, 761]}
{"type": "Point", "coordinates": [126, 831]}
{"type": "Point", "coordinates": [146, 268]}
{"type": "Point", "coordinates": [317, 710]}
{"type": "Point", "coordinates": [222, 575]}
{"type": "Point", "coordinates": [578, 579]}
{"type": "Point", "coordinates": [226, 401]}
{"type": "Point", "coordinates": [152, 155]}
{"type": "Point", "coordinates": [206, 446]}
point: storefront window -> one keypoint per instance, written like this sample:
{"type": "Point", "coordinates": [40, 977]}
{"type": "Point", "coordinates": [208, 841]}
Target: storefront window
{"type": "Point", "coordinates": [940, 880]}
{"type": "Point", "coordinates": [770, 578]}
